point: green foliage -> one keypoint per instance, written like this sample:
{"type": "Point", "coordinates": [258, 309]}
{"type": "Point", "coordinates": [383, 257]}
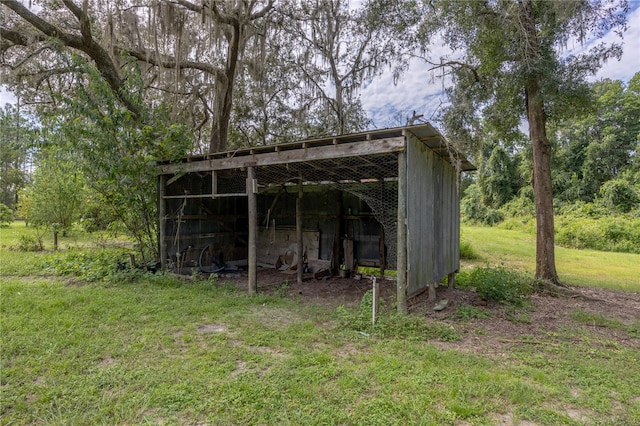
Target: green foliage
{"type": "Point", "coordinates": [498, 285]}
{"type": "Point", "coordinates": [612, 233]}
{"type": "Point", "coordinates": [118, 152]}
{"type": "Point", "coordinates": [6, 215]}
{"type": "Point", "coordinates": [473, 210]}
{"type": "Point", "coordinates": [110, 265]}
{"type": "Point", "coordinates": [30, 242]}
{"type": "Point", "coordinates": [17, 136]}
{"type": "Point", "coordinates": [54, 199]}
{"type": "Point", "coordinates": [619, 195]}
{"type": "Point", "coordinates": [467, 313]}
{"type": "Point", "coordinates": [467, 251]}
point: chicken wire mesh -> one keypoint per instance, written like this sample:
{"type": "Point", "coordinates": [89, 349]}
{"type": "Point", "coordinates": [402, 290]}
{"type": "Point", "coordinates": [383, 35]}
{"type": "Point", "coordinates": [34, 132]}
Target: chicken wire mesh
{"type": "Point", "coordinates": [371, 178]}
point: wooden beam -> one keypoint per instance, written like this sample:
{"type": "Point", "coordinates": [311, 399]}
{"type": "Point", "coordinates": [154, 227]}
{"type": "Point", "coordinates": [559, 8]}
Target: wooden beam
{"type": "Point", "coordinates": [175, 178]}
{"type": "Point", "coordinates": [401, 258]}
{"type": "Point", "coordinates": [162, 223]}
{"type": "Point", "coordinates": [253, 232]}
{"type": "Point", "coordinates": [299, 233]}
{"type": "Point", "coordinates": [352, 149]}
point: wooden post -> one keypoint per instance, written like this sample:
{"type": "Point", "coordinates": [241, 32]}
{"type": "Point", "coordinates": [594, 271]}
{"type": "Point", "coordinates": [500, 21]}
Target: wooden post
{"type": "Point", "coordinates": [299, 232]}
{"type": "Point", "coordinates": [381, 243]}
{"type": "Point", "coordinates": [432, 291]}
{"type": "Point", "coordinates": [401, 258]}
{"type": "Point", "coordinates": [162, 221]}
{"type": "Point", "coordinates": [253, 231]}
{"type": "Point", "coordinates": [375, 306]}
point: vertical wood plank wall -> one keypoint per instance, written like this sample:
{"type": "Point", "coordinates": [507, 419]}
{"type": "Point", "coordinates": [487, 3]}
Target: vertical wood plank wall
{"type": "Point", "coordinates": [433, 217]}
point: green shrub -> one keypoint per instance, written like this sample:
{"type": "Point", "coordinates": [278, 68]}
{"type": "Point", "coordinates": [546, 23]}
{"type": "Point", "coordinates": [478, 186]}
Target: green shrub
{"type": "Point", "coordinates": [498, 285]}
{"type": "Point", "coordinates": [615, 233]}
{"type": "Point", "coordinates": [6, 215]}
{"type": "Point", "coordinates": [93, 265]}
{"type": "Point", "coordinates": [30, 243]}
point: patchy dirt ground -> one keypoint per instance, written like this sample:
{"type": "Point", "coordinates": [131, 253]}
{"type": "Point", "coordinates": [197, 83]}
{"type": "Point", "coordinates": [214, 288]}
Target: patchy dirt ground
{"type": "Point", "coordinates": [546, 317]}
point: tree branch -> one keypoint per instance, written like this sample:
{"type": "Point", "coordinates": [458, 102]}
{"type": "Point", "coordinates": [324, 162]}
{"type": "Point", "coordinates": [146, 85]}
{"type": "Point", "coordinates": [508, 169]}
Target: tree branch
{"type": "Point", "coordinates": [84, 43]}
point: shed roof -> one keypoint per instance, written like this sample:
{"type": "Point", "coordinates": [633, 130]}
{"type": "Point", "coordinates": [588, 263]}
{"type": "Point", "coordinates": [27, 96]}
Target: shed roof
{"type": "Point", "coordinates": [327, 154]}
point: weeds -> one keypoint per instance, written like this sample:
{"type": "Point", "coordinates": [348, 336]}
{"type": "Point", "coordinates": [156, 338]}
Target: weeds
{"type": "Point", "coordinates": [392, 325]}
{"type": "Point", "coordinates": [498, 285]}
{"type": "Point", "coordinates": [466, 313]}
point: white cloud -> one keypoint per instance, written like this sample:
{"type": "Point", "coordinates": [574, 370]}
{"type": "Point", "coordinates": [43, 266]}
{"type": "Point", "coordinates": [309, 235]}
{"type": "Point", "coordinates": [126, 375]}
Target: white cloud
{"type": "Point", "coordinates": [421, 90]}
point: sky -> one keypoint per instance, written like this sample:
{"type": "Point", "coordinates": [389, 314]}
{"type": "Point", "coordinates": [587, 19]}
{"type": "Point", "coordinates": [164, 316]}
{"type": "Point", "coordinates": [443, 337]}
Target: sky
{"type": "Point", "coordinates": [420, 90]}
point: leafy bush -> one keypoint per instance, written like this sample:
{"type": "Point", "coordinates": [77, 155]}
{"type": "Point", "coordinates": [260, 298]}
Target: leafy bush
{"type": "Point", "coordinates": [618, 233]}
{"type": "Point", "coordinates": [472, 209]}
{"type": "Point", "coordinates": [6, 215]}
{"type": "Point", "coordinates": [30, 243]}
{"type": "Point", "coordinates": [95, 265]}
{"type": "Point", "coordinates": [498, 285]}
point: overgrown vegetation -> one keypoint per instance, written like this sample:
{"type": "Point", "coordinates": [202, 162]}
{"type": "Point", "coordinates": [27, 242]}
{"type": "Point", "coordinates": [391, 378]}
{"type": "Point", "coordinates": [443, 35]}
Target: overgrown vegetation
{"type": "Point", "coordinates": [390, 324]}
{"type": "Point", "coordinates": [596, 176]}
{"type": "Point", "coordinates": [498, 284]}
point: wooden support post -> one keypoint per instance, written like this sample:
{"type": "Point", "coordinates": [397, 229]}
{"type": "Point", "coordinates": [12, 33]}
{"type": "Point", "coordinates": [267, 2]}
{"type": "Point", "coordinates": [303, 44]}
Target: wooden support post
{"type": "Point", "coordinates": [336, 258]}
{"type": "Point", "coordinates": [162, 221]}
{"type": "Point", "coordinates": [382, 252]}
{"type": "Point", "coordinates": [253, 231]}
{"type": "Point", "coordinates": [401, 258]}
{"type": "Point", "coordinates": [299, 233]}
{"type": "Point", "coordinates": [451, 280]}
{"type": "Point", "coordinates": [432, 291]}
{"type": "Point", "coordinates": [375, 306]}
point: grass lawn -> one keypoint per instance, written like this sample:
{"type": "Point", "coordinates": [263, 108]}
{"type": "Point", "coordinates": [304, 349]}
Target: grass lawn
{"type": "Point", "coordinates": [517, 250]}
{"type": "Point", "coordinates": [158, 350]}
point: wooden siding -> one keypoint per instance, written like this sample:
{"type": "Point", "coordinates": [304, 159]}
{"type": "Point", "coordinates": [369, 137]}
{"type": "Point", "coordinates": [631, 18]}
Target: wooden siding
{"type": "Point", "coordinates": [433, 220]}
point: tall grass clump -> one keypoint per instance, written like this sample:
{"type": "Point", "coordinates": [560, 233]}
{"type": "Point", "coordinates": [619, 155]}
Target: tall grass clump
{"type": "Point", "coordinates": [392, 325]}
{"type": "Point", "coordinates": [499, 285]}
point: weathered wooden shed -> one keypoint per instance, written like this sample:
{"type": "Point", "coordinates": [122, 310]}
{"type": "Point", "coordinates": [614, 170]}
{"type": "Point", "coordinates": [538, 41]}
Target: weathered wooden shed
{"type": "Point", "coordinates": [385, 198]}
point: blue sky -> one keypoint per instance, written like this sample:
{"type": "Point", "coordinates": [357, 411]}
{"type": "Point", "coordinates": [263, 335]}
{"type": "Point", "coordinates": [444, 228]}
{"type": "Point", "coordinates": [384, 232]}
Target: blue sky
{"type": "Point", "coordinates": [389, 105]}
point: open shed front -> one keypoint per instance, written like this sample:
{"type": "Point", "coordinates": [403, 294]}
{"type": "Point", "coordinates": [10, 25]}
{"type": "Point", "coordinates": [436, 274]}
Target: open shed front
{"type": "Point", "coordinates": [386, 199]}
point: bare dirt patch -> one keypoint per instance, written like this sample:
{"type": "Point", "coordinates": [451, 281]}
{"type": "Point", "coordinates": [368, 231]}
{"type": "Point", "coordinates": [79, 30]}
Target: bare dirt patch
{"type": "Point", "coordinates": [535, 324]}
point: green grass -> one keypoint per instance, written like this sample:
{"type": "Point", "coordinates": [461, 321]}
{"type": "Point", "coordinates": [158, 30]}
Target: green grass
{"type": "Point", "coordinates": [157, 350]}
{"type": "Point", "coordinates": [160, 351]}
{"type": "Point", "coordinates": [620, 271]}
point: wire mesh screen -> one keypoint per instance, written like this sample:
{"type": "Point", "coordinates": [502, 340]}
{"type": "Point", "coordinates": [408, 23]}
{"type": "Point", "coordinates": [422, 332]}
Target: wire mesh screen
{"type": "Point", "coordinates": [372, 178]}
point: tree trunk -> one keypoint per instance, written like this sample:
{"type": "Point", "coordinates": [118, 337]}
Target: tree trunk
{"type": "Point", "coordinates": [542, 189]}
{"type": "Point", "coordinates": [224, 104]}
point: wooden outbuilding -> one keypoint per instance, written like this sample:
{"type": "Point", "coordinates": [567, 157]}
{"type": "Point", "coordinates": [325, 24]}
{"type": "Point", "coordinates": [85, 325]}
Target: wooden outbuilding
{"type": "Point", "coordinates": [386, 198]}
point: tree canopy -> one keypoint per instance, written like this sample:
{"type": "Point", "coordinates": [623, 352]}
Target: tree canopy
{"type": "Point", "coordinates": [512, 68]}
